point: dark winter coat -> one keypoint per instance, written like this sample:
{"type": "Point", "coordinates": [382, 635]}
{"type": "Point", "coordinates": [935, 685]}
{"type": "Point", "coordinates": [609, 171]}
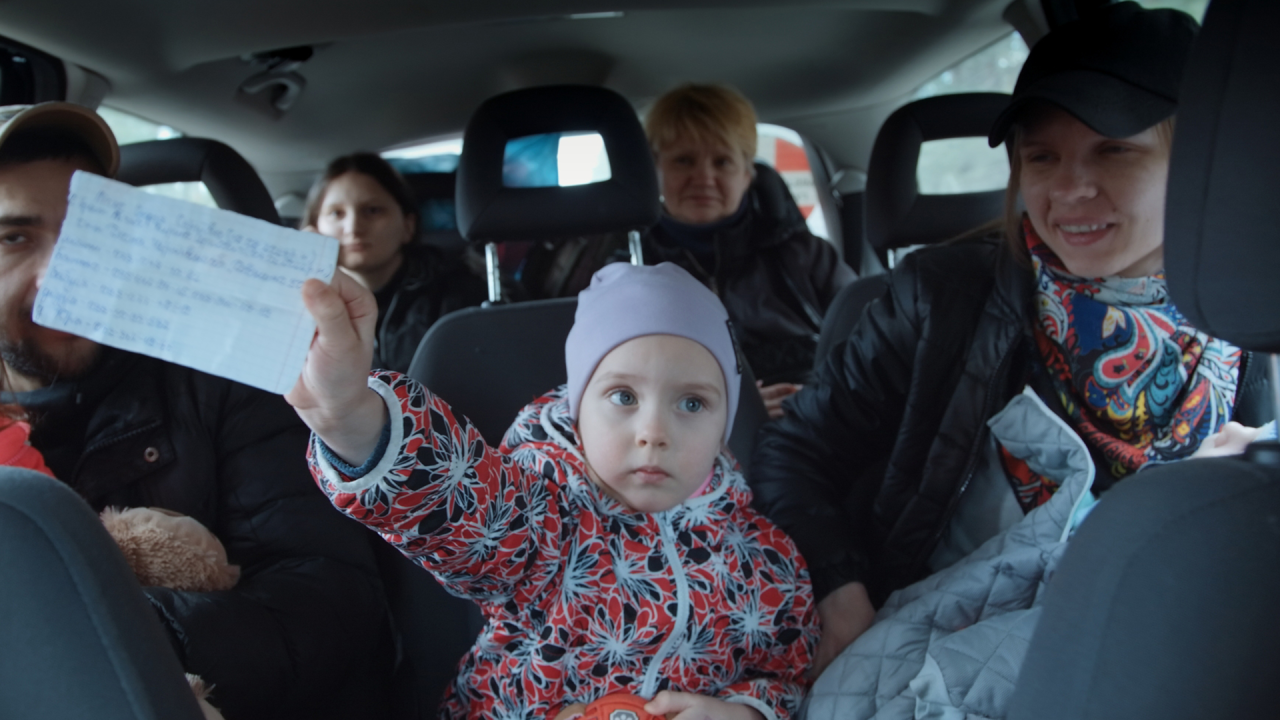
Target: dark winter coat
{"type": "Point", "coordinates": [430, 284]}
{"type": "Point", "coordinates": [868, 466]}
{"type": "Point", "coordinates": [304, 633]}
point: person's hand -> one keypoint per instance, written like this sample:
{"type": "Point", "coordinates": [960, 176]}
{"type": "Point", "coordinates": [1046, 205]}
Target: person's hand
{"type": "Point", "coordinates": [332, 396]}
{"type": "Point", "coordinates": [846, 613]}
{"type": "Point", "coordinates": [773, 395]}
{"type": "Point", "coordinates": [1230, 440]}
{"type": "Point", "coordinates": [688, 706]}
{"type": "Point", "coordinates": [569, 711]}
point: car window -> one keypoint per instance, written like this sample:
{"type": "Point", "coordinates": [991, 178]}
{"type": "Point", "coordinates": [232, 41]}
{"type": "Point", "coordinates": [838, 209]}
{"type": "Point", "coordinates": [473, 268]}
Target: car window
{"type": "Point", "coordinates": [440, 156]}
{"type": "Point", "coordinates": [555, 159]}
{"type": "Point", "coordinates": [129, 128]}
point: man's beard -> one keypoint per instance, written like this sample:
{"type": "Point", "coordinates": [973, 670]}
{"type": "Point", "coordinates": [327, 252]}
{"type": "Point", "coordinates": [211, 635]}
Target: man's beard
{"type": "Point", "coordinates": [26, 358]}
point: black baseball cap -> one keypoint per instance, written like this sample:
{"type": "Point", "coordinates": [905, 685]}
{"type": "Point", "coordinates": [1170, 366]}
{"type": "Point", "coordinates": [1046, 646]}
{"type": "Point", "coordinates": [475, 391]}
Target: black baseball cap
{"type": "Point", "coordinates": [1116, 70]}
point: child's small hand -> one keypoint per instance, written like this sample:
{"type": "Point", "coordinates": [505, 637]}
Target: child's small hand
{"type": "Point", "coordinates": [688, 706]}
{"type": "Point", "coordinates": [1232, 439]}
{"type": "Point", "coordinates": [332, 396]}
{"type": "Point", "coordinates": [571, 711]}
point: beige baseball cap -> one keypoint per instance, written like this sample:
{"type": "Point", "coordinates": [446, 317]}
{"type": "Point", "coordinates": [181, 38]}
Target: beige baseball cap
{"type": "Point", "coordinates": [75, 119]}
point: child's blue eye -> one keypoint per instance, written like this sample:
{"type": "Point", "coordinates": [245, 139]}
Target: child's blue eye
{"type": "Point", "coordinates": [622, 397]}
{"type": "Point", "coordinates": [691, 404]}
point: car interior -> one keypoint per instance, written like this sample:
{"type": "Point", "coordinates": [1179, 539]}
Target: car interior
{"type": "Point", "coordinates": [258, 97]}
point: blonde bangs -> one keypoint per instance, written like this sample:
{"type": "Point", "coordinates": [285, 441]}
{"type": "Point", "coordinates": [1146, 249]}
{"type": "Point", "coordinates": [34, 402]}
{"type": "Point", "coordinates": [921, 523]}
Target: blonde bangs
{"type": "Point", "coordinates": [703, 114]}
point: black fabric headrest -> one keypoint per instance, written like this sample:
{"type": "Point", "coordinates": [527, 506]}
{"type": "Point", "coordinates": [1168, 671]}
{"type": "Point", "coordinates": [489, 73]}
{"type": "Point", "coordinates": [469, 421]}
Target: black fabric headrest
{"type": "Point", "coordinates": [490, 212]}
{"type": "Point", "coordinates": [897, 214]}
{"type": "Point", "coordinates": [775, 198]}
{"type": "Point", "coordinates": [432, 185]}
{"type": "Point", "coordinates": [231, 180]}
{"type": "Point", "coordinates": [1222, 240]}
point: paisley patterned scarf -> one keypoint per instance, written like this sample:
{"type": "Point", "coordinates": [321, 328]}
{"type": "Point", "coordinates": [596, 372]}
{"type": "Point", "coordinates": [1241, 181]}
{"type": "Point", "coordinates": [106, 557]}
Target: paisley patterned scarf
{"type": "Point", "coordinates": [1138, 383]}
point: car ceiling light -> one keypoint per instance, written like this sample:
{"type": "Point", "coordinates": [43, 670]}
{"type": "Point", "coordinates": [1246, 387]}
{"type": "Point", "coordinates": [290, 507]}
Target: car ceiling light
{"type": "Point", "coordinates": [596, 15]}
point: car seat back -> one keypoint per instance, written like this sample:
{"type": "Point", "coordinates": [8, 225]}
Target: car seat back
{"type": "Point", "coordinates": [897, 214]}
{"type": "Point", "coordinates": [1222, 246]}
{"type": "Point", "coordinates": [1165, 602]}
{"type": "Point", "coordinates": [80, 638]}
{"type": "Point", "coordinates": [231, 180]}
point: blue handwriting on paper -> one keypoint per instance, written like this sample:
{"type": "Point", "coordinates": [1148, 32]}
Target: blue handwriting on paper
{"type": "Point", "coordinates": [201, 287]}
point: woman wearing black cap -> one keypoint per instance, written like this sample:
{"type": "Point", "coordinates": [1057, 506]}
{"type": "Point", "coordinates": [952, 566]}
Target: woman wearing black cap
{"type": "Point", "coordinates": [891, 468]}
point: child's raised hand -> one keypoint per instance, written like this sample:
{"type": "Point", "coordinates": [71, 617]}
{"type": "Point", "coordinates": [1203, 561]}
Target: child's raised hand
{"type": "Point", "coordinates": [688, 706]}
{"type": "Point", "coordinates": [331, 395]}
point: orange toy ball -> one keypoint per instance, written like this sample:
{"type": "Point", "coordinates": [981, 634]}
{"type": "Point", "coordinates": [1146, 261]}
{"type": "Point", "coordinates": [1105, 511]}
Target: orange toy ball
{"type": "Point", "coordinates": [618, 706]}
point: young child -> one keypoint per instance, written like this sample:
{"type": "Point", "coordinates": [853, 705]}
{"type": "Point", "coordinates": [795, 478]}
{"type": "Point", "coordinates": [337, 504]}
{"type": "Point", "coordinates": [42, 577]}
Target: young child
{"type": "Point", "coordinates": [609, 539]}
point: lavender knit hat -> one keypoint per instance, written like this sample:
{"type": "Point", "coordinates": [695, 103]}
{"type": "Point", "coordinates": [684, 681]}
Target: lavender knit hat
{"type": "Point", "coordinates": [626, 301]}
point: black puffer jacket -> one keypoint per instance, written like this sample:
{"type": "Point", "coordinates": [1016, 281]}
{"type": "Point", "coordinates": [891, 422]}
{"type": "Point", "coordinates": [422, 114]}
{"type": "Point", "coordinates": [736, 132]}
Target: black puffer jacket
{"type": "Point", "coordinates": [868, 465]}
{"type": "Point", "coordinates": [430, 284]}
{"type": "Point", "coordinates": [304, 633]}
{"type": "Point", "coordinates": [774, 277]}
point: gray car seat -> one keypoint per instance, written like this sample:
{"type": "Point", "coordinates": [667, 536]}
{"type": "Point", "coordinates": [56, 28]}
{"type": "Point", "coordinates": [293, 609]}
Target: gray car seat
{"type": "Point", "coordinates": [231, 180]}
{"type": "Point", "coordinates": [1165, 604]}
{"type": "Point", "coordinates": [897, 214]}
{"type": "Point", "coordinates": [80, 639]}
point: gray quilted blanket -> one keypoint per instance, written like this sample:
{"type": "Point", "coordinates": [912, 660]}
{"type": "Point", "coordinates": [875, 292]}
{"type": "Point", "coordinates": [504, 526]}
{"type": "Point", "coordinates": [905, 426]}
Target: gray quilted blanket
{"type": "Point", "coordinates": [951, 645]}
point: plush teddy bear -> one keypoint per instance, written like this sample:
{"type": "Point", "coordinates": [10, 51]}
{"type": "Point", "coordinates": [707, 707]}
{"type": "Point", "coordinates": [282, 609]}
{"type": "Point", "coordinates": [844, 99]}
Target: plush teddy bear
{"type": "Point", "coordinates": [168, 549]}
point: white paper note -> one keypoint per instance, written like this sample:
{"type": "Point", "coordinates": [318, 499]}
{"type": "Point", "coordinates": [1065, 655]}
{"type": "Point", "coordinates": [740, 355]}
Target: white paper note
{"type": "Point", "coordinates": [210, 289]}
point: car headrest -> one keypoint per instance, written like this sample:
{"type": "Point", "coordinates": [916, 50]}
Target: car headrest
{"type": "Point", "coordinates": [897, 215]}
{"type": "Point", "coordinates": [231, 180]}
{"type": "Point", "coordinates": [1222, 242]}
{"type": "Point", "coordinates": [775, 198]}
{"type": "Point", "coordinates": [490, 212]}
{"type": "Point", "coordinates": [437, 213]}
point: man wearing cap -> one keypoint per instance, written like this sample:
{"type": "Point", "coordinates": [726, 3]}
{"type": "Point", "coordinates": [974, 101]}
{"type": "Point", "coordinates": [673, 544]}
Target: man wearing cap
{"type": "Point", "coordinates": [998, 371]}
{"type": "Point", "coordinates": [131, 431]}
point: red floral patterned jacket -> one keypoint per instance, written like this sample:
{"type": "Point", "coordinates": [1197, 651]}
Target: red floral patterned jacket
{"type": "Point", "coordinates": [582, 597]}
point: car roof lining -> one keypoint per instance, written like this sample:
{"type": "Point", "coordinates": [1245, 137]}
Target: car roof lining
{"type": "Point", "coordinates": [387, 73]}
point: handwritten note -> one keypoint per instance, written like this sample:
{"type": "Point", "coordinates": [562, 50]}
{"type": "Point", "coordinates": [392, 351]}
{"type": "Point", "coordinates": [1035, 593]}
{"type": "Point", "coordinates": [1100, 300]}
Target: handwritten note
{"type": "Point", "coordinates": [210, 289]}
